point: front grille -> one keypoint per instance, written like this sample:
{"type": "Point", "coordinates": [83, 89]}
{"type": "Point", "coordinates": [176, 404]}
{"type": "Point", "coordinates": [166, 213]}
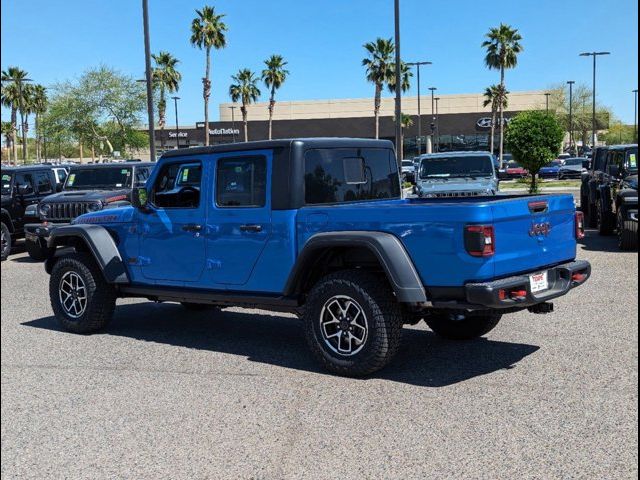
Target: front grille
{"type": "Point", "coordinates": [459, 194]}
{"type": "Point", "coordinates": [67, 211]}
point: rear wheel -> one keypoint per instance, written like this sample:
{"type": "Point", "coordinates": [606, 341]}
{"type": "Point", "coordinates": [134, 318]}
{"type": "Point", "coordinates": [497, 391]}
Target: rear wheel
{"type": "Point", "coordinates": [605, 224]}
{"type": "Point", "coordinates": [6, 242]}
{"type": "Point", "coordinates": [353, 323]}
{"type": "Point", "coordinates": [82, 300]}
{"type": "Point", "coordinates": [627, 232]}
{"type": "Point", "coordinates": [463, 327]}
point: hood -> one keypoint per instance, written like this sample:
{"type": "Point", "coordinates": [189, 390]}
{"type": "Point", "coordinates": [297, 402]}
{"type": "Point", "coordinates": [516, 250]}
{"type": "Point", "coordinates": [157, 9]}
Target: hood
{"type": "Point", "coordinates": [109, 216]}
{"type": "Point", "coordinates": [72, 196]}
{"type": "Point", "coordinates": [632, 182]}
{"type": "Point", "coordinates": [457, 185]}
{"type": "Point", "coordinates": [575, 168]}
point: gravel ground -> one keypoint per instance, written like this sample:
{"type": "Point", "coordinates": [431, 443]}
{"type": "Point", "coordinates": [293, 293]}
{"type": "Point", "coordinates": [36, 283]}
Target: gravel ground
{"type": "Point", "coordinates": [170, 394]}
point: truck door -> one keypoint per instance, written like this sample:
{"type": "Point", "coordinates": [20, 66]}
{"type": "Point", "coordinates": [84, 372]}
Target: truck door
{"type": "Point", "coordinates": [172, 240]}
{"type": "Point", "coordinates": [239, 220]}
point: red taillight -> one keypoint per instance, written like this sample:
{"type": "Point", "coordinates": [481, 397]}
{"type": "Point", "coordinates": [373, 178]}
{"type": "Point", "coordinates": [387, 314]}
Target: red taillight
{"type": "Point", "coordinates": [580, 225]}
{"type": "Point", "coordinates": [479, 240]}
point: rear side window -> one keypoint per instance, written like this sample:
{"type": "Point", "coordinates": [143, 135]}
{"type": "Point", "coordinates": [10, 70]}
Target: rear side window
{"type": "Point", "coordinates": [25, 180]}
{"type": "Point", "coordinates": [43, 183]}
{"type": "Point", "coordinates": [335, 175]}
{"type": "Point", "coordinates": [178, 185]}
{"type": "Point", "coordinates": [241, 182]}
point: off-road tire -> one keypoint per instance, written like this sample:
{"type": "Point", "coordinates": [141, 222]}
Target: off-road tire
{"type": "Point", "coordinates": [101, 296]}
{"type": "Point", "coordinates": [473, 326]}
{"type": "Point", "coordinates": [590, 214]}
{"type": "Point", "coordinates": [605, 224]}
{"type": "Point", "coordinates": [37, 251]}
{"type": "Point", "coordinates": [627, 233]}
{"type": "Point", "coordinates": [384, 318]}
{"type": "Point", "coordinates": [6, 242]}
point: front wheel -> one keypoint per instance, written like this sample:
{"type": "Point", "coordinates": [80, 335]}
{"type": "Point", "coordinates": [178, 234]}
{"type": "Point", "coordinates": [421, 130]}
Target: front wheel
{"type": "Point", "coordinates": [82, 300]}
{"type": "Point", "coordinates": [6, 242]}
{"type": "Point", "coordinates": [463, 327]}
{"type": "Point", "coordinates": [627, 232]}
{"type": "Point", "coordinates": [353, 323]}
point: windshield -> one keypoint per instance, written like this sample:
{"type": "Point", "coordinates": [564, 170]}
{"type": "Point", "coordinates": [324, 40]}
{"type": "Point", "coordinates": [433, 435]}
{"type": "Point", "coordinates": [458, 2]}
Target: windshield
{"type": "Point", "coordinates": [632, 160]}
{"type": "Point", "coordinates": [573, 161]}
{"type": "Point", "coordinates": [457, 167]}
{"type": "Point", "coordinates": [6, 183]}
{"type": "Point", "coordinates": [93, 178]}
{"type": "Point", "coordinates": [513, 164]}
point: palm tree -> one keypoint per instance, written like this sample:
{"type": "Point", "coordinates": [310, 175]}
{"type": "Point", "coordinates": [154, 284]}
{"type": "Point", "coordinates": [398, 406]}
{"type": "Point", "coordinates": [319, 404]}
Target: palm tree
{"type": "Point", "coordinates": [244, 88]}
{"type": "Point", "coordinates": [405, 122]}
{"type": "Point", "coordinates": [6, 131]}
{"type": "Point", "coordinates": [39, 106]}
{"type": "Point", "coordinates": [208, 31]}
{"type": "Point", "coordinates": [13, 98]}
{"type": "Point", "coordinates": [379, 65]}
{"type": "Point", "coordinates": [167, 80]}
{"type": "Point", "coordinates": [274, 76]}
{"type": "Point", "coordinates": [405, 78]}
{"type": "Point", "coordinates": [503, 46]}
{"type": "Point", "coordinates": [494, 95]}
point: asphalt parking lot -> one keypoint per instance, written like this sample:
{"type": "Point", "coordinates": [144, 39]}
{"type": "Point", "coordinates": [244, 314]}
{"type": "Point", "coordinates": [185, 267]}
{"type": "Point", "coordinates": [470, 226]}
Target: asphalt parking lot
{"type": "Point", "coordinates": [169, 394]}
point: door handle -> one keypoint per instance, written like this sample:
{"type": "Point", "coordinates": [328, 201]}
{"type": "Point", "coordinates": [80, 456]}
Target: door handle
{"type": "Point", "coordinates": [251, 228]}
{"type": "Point", "coordinates": [192, 227]}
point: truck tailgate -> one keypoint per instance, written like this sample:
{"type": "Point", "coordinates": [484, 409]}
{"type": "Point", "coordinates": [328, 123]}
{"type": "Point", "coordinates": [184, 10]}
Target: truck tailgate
{"type": "Point", "coordinates": [533, 232]}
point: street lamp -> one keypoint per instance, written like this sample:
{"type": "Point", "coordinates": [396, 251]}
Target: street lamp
{"type": "Point", "coordinates": [547, 99]}
{"type": "Point", "coordinates": [18, 82]}
{"type": "Point", "coordinates": [175, 104]}
{"type": "Point", "coordinates": [233, 122]}
{"type": "Point", "coordinates": [570, 83]}
{"type": "Point", "coordinates": [593, 112]}
{"type": "Point", "coordinates": [399, 146]}
{"type": "Point", "coordinates": [433, 116]}
{"type": "Point", "coordinates": [147, 64]}
{"type": "Point", "coordinates": [437, 123]}
{"type": "Point", "coordinates": [635, 115]}
{"type": "Point", "coordinates": [418, 65]}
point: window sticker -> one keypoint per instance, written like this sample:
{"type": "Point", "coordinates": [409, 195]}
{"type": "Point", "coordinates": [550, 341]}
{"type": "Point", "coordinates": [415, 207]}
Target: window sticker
{"type": "Point", "coordinates": [238, 169]}
{"type": "Point", "coordinates": [6, 178]}
{"type": "Point", "coordinates": [72, 178]}
{"type": "Point", "coordinates": [185, 175]}
{"type": "Point", "coordinates": [125, 171]}
{"type": "Point", "coordinates": [633, 162]}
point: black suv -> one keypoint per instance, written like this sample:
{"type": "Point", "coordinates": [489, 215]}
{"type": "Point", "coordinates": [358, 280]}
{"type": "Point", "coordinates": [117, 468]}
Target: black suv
{"type": "Point", "coordinates": [88, 188]}
{"type": "Point", "coordinates": [22, 189]}
{"type": "Point", "coordinates": [609, 193]}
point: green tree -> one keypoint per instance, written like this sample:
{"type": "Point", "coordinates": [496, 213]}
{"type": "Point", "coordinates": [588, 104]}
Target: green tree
{"type": "Point", "coordinates": [6, 132]}
{"type": "Point", "coordinates": [245, 88]}
{"type": "Point", "coordinates": [405, 78]}
{"type": "Point", "coordinates": [13, 83]}
{"type": "Point", "coordinates": [534, 138]}
{"type": "Point", "coordinates": [495, 96]}
{"type": "Point", "coordinates": [39, 107]}
{"type": "Point", "coordinates": [207, 32]}
{"type": "Point", "coordinates": [274, 75]}
{"type": "Point", "coordinates": [379, 67]}
{"type": "Point", "coordinates": [502, 47]}
{"type": "Point", "coordinates": [619, 134]}
{"type": "Point", "coordinates": [166, 79]}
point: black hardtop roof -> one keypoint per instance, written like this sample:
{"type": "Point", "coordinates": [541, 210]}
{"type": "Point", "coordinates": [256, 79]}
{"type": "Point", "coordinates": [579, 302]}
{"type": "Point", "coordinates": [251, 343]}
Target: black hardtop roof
{"type": "Point", "coordinates": [91, 166]}
{"type": "Point", "coordinates": [623, 147]}
{"type": "Point", "coordinates": [284, 143]}
{"type": "Point", "coordinates": [25, 168]}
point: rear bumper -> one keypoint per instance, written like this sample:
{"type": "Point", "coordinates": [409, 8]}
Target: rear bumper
{"type": "Point", "coordinates": [488, 296]}
{"type": "Point", "coordinates": [40, 231]}
{"type": "Point", "coordinates": [562, 279]}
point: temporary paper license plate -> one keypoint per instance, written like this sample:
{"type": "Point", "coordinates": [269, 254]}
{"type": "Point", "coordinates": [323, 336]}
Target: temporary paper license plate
{"type": "Point", "coordinates": [539, 282]}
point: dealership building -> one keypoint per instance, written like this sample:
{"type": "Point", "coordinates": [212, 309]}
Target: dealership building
{"type": "Point", "coordinates": [456, 122]}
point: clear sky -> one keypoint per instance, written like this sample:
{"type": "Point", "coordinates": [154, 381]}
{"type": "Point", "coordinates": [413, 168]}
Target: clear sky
{"type": "Point", "coordinates": [55, 40]}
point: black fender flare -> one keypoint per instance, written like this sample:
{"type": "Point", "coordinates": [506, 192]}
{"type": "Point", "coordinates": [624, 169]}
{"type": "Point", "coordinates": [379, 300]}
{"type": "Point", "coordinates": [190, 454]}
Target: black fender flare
{"type": "Point", "coordinates": [387, 248]}
{"type": "Point", "coordinates": [100, 244]}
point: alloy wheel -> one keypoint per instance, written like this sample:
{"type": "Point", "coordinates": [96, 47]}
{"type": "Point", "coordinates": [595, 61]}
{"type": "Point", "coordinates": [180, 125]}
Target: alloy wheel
{"type": "Point", "coordinates": [344, 325]}
{"type": "Point", "coordinates": [72, 293]}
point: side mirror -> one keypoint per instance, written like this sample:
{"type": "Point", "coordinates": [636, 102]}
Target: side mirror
{"type": "Point", "coordinates": [613, 171]}
{"type": "Point", "coordinates": [140, 198]}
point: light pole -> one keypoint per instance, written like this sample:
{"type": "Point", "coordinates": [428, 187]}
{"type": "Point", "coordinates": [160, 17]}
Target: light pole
{"type": "Point", "coordinates": [18, 82]}
{"type": "Point", "coordinates": [233, 122]}
{"type": "Point", "coordinates": [399, 146]}
{"type": "Point", "coordinates": [433, 117]}
{"type": "Point", "coordinates": [547, 95]}
{"type": "Point", "coordinates": [635, 115]}
{"type": "Point", "coordinates": [418, 65]}
{"type": "Point", "coordinates": [437, 123]}
{"type": "Point", "coordinates": [147, 64]}
{"type": "Point", "coordinates": [570, 83]}
{"type": "Point", "coordinates": [175, 105]}
{"type": "Point", "coordinates": [593, 111]}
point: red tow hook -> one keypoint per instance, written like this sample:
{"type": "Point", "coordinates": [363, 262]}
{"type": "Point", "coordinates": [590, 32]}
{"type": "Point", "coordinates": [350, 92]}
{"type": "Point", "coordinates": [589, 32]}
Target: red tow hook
{"type": "Point", "coordinates": [519, 295]}
{"type": "Point", "coordinates": [578, 277]}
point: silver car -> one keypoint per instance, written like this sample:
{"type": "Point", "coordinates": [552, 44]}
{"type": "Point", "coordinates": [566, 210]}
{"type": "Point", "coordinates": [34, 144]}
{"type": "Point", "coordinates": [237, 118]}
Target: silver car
{"type": "Point", "coordinates": [573, 168]}
{"type": "Point", "coordinates": [456, 174]}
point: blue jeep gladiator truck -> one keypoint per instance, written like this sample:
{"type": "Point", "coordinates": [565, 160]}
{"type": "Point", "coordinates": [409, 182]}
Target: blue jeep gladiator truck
{"type": "Point", "coordinates": [317, 227]}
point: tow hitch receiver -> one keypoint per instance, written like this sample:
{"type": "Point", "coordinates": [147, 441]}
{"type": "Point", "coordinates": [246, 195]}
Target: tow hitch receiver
{"type": "Point", "coordinates": [542, 308]}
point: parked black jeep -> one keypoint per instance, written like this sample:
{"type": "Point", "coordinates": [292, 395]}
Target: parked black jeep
{"type": "Point", "coordinates": [609, 193]}
{"type": "Point", "coordinates": [88, 188]}
{"type": "Point", "coordinates": [22, 189]}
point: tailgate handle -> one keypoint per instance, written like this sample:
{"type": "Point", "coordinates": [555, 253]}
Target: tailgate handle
{"type": "Point", "coordinates": [539, 207]}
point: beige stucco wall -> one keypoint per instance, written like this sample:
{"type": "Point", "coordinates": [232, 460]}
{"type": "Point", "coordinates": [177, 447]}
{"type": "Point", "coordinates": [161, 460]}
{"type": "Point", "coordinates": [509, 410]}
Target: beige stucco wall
{"type": "Point", "coordinates": [363, 107]}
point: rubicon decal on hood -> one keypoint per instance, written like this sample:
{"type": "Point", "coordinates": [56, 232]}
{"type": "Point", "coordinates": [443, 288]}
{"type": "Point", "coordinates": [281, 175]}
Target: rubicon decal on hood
{"type": "Point", "coordinates": [117, 198]}
{"type": "Point", "coordinates": [97, 219]}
